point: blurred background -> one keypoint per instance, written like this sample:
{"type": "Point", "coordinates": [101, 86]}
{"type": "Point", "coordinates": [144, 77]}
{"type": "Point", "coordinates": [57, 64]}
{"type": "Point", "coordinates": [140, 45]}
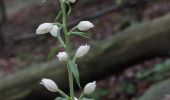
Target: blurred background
{"type": "Point", "coordinates": [130, 49]}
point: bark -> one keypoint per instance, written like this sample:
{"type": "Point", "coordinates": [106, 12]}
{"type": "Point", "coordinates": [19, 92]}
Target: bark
{"type": "Point", "coordinates": [106, 57]}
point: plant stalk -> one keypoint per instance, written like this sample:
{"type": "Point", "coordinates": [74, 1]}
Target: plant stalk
{"type": "Point", "coordinates": [82, 94]}
{"type": "Point", "coordinates": [63, 94]}
{"type": "Point", "coordinates": [68, 47]}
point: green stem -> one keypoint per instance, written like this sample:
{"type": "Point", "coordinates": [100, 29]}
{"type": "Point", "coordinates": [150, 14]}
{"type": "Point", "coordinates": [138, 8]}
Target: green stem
{"type": "Point", "coordinates": [67, 37]}
{"type": "Point", "coordinates": [74, 28]}
{"type": "Point", "coordinates": [71, 82]}
{"type": "Point", "coordinates": [61, 41]}
{"type": "Point", "coordinates": [68, 47]}
{"type": "Point", "coordinates": [74, 58]}
{"type": "Point", "coordinates": [63, 94]}
{"type": "Point", "coordinates": [82, 94]}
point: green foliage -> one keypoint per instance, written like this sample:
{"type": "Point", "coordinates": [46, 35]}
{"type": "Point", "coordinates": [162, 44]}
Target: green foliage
{"type": "Point", "coordinates": [65, 43]}
{"type": "Point", "coordinates": [159, 72]}
{"type": "Point", "coordinates": [75, 71]}
{"type": "Point", "coordinates": [69, 11]}
{"type": "Point", "coordinates": [58, 15]}
{"type": "Point", "coordinates": [127, 87]}
{"type": "Point", "coordinates": [82, 34]}
{"type": "Point", "coordinates": [52, 53]}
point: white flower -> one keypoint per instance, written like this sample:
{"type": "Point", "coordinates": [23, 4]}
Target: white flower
{"type": "Point", "coordinates": [49, 84]}
{"type": "Point", "coordinates": [72, 1]}
{"type": "Point", "coordinates": [54, 31]}
{"type": "Point", "coordinates": [62, 56]}
{"type": "Point", "coordinates": [76, 98]}
{"type": "Point", "coordinates": [82, 50]}
{"type": "Point", "coordinates": [44, 28]}
{"type": "Point", "coordinates": [90, 88]}
{"type": "Point", "coordinates": [85, 25]}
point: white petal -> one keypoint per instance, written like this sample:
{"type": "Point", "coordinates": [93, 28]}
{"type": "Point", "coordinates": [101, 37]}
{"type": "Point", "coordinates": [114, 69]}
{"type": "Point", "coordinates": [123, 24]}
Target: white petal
{"type": "Point", "coordinates": [90, 88]}
{"type": "Point", "coordinates": [82, 50]}
{"type": "Point", "coordinates": [49, 84]}
{"type": "Point", "coordinates": [44, 28]}
{"type": "Point", "coordinates": [62, 56]}
{"type": "Point", "coordinates": [54, 31]}
{"type": "Point", "coordinates": [75, 98]}
{"type": "Point", "coordinates": [85, 25]}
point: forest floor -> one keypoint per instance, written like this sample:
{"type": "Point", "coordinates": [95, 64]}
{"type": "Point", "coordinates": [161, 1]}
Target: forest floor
{"type": "Point", "coordinates": [23, 48]}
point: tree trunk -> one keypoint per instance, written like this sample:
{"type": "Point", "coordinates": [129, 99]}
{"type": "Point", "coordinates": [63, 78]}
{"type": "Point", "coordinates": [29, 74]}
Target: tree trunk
{"type": "Point", "coordinates": [106, 57]}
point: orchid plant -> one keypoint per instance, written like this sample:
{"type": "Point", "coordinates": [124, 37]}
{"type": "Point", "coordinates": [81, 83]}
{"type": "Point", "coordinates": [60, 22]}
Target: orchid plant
{"type": "Point", "coordinates": [55, 29]}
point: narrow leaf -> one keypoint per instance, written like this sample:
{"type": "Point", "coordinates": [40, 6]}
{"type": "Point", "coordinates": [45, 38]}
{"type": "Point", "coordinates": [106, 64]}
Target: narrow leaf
{"type": "Point", "coordinates": [58, 24]}
{"type": "Point", "coordinates": [51, 53]}
{"type": "Point", "coordinates": [82, 34]}
{"type": "Point", "coordinates": [58, 16]}
{"type": "Point", "coordinates": [75, 71]}
{"type": "Point", "coordinates": [69, 11]}
{"type": "Point", "coordinates": [70, 8]}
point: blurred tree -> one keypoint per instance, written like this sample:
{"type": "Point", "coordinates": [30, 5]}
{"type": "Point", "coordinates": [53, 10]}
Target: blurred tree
{"type": "Point", "coordinates": [2, 20]}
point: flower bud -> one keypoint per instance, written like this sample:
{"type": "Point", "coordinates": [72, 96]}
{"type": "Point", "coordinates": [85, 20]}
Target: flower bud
{"type": "Point", "coordinates": [54, 31]}
{"type": "Point", "coordinates": [44, 28]}
{"type": "Point", "coordinates": [49, 84]}
{"type": "Point", "coordinates": [72, 1]}
{"type": "Point", "coordinates": [62, 56]}
{"type": "Point", "coordinates": [90, 88]}
{"type": "Point", "coordinates": [82, 50]}
{"type": "Point", "coordinates": [76, 98]}
{"type": "Point", "coordinates": [85, 25]}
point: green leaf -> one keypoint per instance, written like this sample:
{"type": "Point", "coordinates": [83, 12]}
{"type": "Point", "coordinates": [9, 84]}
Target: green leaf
{"type": "Point", "coordinates": [60, 98]}
{"type": "Point", "coordinates": [87, 99]}
{"type": "Point", "coordinates": [52, 53]}
{"type": "Point", "coordinates": [75, 71]}
{"type": "Point", "coordinates": [127, 87]}
{"type": "Point", "coordinates": [58, 24]}
{"type": "Point", "coordinates": [82, 34]}
{"type": "Point", "coordinates": [69, 11]}
{"type": "Point", "coordinates": [58, 15]}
